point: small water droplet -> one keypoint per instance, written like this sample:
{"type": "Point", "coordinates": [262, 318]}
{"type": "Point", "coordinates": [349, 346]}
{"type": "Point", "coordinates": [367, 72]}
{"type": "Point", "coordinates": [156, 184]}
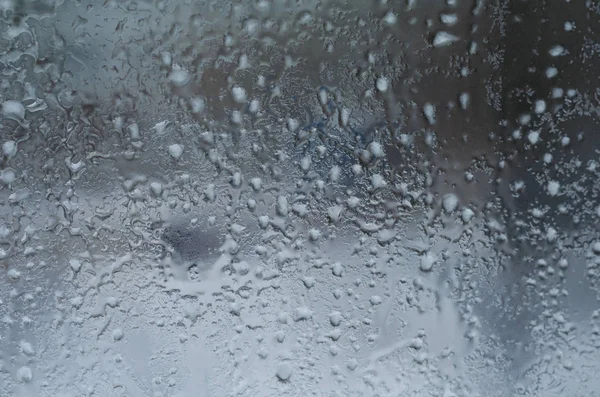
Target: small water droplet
{"type": "Point", "coordinates": [382, 84]}
{"type": "Point", "coordinates": [13, 110]}
{"type": "Point", "coordinates": [24, 374]}
{"type": "Point", "coordinates": [175, 151]}
{"type": "Point", "coordinates": [117, 334]}
{"type": "Point", "coordinates": [444, 39]}
{"type": "Point", "coordinates": [427, 261]}
{"type": "Point", "coordinates": [450, 202]}
{"type": "Point", "coordinates": [284, 372]}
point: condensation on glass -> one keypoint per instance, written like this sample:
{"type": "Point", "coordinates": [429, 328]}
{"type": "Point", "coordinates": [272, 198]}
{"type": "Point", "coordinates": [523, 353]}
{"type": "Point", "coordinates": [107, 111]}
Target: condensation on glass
{"type": "Point", "coordinates": [299, 198]}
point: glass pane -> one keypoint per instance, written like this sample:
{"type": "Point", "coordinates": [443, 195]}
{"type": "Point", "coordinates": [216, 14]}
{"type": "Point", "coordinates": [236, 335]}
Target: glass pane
{"type": "Point", "coordinates": [299, 198]}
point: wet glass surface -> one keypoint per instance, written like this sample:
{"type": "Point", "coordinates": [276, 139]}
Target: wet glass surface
{"type": "Point", "coordinates": [299, 198]}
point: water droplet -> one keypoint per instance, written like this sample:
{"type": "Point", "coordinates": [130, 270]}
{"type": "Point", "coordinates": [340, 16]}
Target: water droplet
{"type": "Point", "coordinates": [449, 19]}
{"type": "Point", "coordinates": [533, 137]}
{"type": "Point", "coordinates": [334, 173]}
{"type": "Point", "coordinates": [24, 374]}
{"type": "Point", "coordinates": [239, 94]}
{"type": "Point", "coordinates": [467, 215]}
{"type": "Point", "coordinates": [156, 188]}
{"type": "Point", "coordinates": [344, 117]}
{"type": "Point", "coordinates": [569, 26]}
{"type": "Point", "coordinates": [117, 334]}
{"type": "Point", "coordinates": [353, 202]}
{"type": "Point", "coordinates": [444, 39]}
{"type": "Point", "coordinates": [236, 179]}
{"type": "Point", "coordinates": [9, 148]}
{"type": "Point", "coordinates": [450, 203]}
{"type": "Point", "coordinates": [553, 187]}
{"type": "Point", "coordinates": [302, 313]}
{"type": "Point", "coordinates": [282, 206]}
{"type": "Point", "coordinates": [540, 106]}
{"type": "Point", "coordinates": [256, 183]}
{"type": "Point", "coordinates": [197, 105]}
{"type": "Point", "coordinates": [429, 112]}
{"type": "Point", "coordinates": [427, 261]}
{"type": "Point", "coordinates": [551, 72]}
{"type": "Point", "coordinates": [464, 100]}
{"type": "Point", "coordinates": [8, 176]}
{"type": "Point", "coordinates": [13, 110]}
{"type": "Point", "coordinates": [377, 181]}
{"type": "Point", "coordinates": [13, 274]}
{"type": "Point", "coordinates": [335, 318]}
{"type": "Point", "coordinates": [26, 348]}
{"type": "Point", "coordinates": [284, 372]}
{"type": "Point", "coordinates": [334, 213]}
{"type": "Point", "coordinates": [557, 51]}
{"type": "Point", "coordinates": [382, 84]}
{"type": "Point", "coordinates": [179, 76]}
{"type": "Point", "coordinates": [390, 18]}
{"type": "Point", "coordinates": [337, 269]}
{"type": "Point", "coordinates": [175, 151]}
{"type": "Point", "coordinates": [75, 265]}
{"type": "Point", "coordinates": [314, 234]}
